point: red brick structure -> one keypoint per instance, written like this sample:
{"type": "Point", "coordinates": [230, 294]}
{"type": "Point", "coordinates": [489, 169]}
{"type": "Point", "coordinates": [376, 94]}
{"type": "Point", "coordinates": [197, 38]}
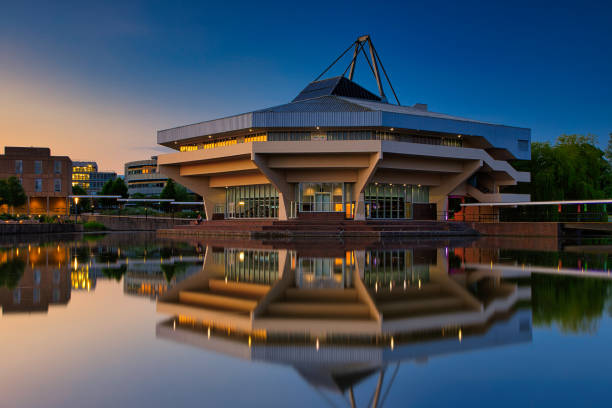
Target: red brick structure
{"type": "Point", "coordinates": [46, 179]}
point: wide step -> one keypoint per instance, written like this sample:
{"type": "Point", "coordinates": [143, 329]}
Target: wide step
{"type": "Point", "coordinates": [217, 301]}
{"type": "Point", "coordinates": [316, 295]}
{"type": "Point", "coordinates": [242, 289]}
{"type": "Point", "coordinates": [411, 292]}
{"type": "Point", "coordinates": [412, 307]}
{"type": "Point", "coordinates": [332, 310]}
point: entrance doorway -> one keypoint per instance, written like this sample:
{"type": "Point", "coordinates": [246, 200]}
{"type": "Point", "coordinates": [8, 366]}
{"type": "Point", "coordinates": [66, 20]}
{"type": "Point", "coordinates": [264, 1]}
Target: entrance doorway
{"type": "Point", "coordinates": [322, 202]}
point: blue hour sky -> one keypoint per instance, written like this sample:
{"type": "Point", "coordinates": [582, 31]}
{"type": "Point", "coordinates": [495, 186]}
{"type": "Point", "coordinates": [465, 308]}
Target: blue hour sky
{"type": "Point", "coordinates": [96, 80]}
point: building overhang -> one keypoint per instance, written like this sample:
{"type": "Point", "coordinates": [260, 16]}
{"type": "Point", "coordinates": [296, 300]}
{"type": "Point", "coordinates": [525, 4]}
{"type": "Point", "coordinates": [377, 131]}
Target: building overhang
{"type": "Point", "coordinates": [512, 139]}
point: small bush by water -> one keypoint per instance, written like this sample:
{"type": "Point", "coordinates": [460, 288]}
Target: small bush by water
{"type": "Point", "coordinates": [93, 226]}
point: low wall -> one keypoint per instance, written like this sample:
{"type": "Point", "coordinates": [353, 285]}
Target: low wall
{"type": "Point", "coordinates": [135, 223]}
{"type": "Point", "coordinates": [523, 229]}
{"type": "Point", "coordinates": [34, 229]}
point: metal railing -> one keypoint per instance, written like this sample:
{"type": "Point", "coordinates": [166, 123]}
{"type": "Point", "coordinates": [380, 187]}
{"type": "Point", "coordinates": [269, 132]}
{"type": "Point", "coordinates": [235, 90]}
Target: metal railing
{"type": "Point", "coordinates": [594, 216]}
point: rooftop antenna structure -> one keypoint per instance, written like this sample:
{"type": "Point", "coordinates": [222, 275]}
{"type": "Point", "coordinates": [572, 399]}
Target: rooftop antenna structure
{"type": "Point", "coordinates": [359, 47]}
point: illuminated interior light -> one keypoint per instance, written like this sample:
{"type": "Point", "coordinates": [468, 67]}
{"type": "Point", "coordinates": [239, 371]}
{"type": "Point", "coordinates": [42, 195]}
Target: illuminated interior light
{"type": "Point", "coordinates": [392, 343]}
{"type": "Point", "coordinates": [460, 335]}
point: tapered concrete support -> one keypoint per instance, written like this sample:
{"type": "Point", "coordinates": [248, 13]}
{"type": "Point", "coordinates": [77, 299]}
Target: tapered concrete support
{"type": "Point", "coordinates": [364, 176]}
{"type": "Point", "coordinates": [211, 196]}
{"type": "Point", "coordinates": [360, 213]}
{"type": "Point", "coordinates": [284, 207]}
{"type": "Point", "coordinates": [439, 194]}
{"type": "Point", "coordinates": [286, 191]}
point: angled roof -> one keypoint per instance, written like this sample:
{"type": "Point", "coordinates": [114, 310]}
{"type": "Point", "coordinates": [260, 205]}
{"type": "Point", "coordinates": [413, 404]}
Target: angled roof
{"type": "Point", "coordinates": [326, 103]}
{"type": "Point", "coordinates": [338, 86]}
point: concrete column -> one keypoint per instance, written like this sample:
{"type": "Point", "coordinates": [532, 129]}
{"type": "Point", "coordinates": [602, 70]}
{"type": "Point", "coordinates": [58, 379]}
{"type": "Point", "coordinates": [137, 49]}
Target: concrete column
{"type": "Point", "coordinates": [286, 191]}
{"type": "Point", "coordinates": [441, 207]}
{"type": "Point", "coordinates": [284, 207]}
{"type": "Point", "coordinates": [360, 213]}
{"type": "Point", "coordinates": [364, 176]}
{"type": "Point", "coordinates": [200, 185]}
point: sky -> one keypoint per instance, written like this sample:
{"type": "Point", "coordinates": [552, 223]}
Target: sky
{"type": "Point", "coordinates": [96, 80]}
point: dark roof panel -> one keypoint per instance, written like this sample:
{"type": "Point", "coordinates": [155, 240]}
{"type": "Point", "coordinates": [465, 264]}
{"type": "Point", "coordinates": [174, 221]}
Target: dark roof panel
{"type": "Point", "coordinates": [338, 86]}
{"type": "Point", "coordinates": [320, 104]}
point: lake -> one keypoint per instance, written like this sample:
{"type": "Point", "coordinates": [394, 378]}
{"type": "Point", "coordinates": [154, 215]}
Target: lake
{"type": "Point", "coordinates": [129, 319]}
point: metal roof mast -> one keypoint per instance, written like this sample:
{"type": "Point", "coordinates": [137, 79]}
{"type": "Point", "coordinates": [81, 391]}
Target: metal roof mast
{"type": "Point", "coordinates": [359, 48]}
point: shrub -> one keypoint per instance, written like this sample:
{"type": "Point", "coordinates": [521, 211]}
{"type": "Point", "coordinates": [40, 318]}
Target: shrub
{"type": "Point", "coordinates": [93, 226]}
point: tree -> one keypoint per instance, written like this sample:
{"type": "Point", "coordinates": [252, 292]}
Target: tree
{"type": "Point", "coordinates": [12, 193]}
{"type": "Point", "coordinates": [120, 188]}
{"type": "Point", "coordinates": [574, 168]}
{"type": "Point", "coordinates": [11, 272]}
{"type": "Point", "coordinates": [83, 202]}
{"type": "Point", "coordinates": [169, 190]}
{"type": "Point", "coordinates": [609, 148]}
{"type": "Point", "coordinates": [114, 187]}
{"type": "Point", "coordinates": [174, 191]}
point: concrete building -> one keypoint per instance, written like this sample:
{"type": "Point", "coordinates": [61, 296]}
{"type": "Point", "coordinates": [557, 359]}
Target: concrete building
{"type": "Point", "coordinates": [339, 148]}
{"type": "Point", "coordinates": [86, 175]}
{"type": "Point", "coordinates": [142, 177]}
{"type": "Point", "coordinates": [46, 179]}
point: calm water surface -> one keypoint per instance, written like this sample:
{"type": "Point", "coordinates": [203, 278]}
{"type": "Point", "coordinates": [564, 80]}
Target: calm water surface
{"type": "Point", "coordinates": [127, 320]}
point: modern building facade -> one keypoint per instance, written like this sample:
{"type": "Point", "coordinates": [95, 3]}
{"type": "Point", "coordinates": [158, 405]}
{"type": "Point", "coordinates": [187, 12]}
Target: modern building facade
{"type": "Point", "coordinates": [142, 177]}
{"type": "Point", "coordinates": [337, 147]}
{"type": "Point", "coordinates": [86, 175]}
{"type": "Point", "coordinates": [46, 179]}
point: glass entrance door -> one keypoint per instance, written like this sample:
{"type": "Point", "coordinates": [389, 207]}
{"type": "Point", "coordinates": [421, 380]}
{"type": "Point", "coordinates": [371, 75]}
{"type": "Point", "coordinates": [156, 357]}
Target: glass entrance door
{"type": "Point", "coordinates": [322, 202]}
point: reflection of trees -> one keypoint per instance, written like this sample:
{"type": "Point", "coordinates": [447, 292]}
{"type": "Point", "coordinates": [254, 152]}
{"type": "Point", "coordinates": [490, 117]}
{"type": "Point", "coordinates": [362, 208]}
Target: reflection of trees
{"type": "Point", "coordinates": [173, 270]}
{"type": "Point", "coordinates": [107, 255]}
{"type": "Point", "coordinates": [83, 254]}
{"type": "Point", "coordinates": [115, 273]}
{"type": "Point", "coordinates": [568, 259]}
{"type": "Point", "coordinates": [574, 304]}
{"type": "Point", "coordinates": [11, 272]}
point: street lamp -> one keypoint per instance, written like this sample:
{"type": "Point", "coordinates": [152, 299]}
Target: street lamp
{"type": "Point", "coordinates": [76, 208]}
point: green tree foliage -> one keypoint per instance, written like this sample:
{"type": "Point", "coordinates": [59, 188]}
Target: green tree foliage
{"type": "Point", "coordinates": [115, 273]}
{"type": "Point", "coordinates": [12, 193]}
{"type": "Point", "coordinates": [114, 187]}
{"type": "Point", "coordinates": [11, 272]}
{"type": "Point", "coordinates": [575, 305]}
{"type": "Point", "coordinates": [172, 270]}
{"type": "Point", "coordinates": [573, 168]}
{"type": "Point", "coordinates": [174, 191]}
{"type": "Point", "coordinates": [609, 148]}
{"type": "Point", "coordinates": [169, 190]}
{"type": "Point", "coordinates": [83, 202]}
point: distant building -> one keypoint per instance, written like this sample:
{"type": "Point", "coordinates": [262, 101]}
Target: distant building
{"type": "Point", "coordinates": [45, 178]}
{"type": "Point", "coordinates": [142, 177]}
{"type": "Point", "coordinates": [86, 175]}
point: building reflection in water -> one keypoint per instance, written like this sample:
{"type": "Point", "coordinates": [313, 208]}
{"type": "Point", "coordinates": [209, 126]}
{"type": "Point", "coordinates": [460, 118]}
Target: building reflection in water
{"type": "Point", "coordinates": [33, 277]}
{"type": "Point", "coordinates": [346, 314]}
{"type": "Point", "coordinates": [36, 275]}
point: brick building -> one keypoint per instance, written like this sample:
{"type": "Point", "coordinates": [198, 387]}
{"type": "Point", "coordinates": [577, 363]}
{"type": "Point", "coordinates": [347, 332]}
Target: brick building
{"type": "Point", "coordinates": [46, 179]}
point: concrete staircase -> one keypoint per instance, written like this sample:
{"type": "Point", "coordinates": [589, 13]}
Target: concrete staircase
{"type": "Point", "coordinates": [412, 302]}
{"type": "Point", "coordinates": [237, 297]}
{"type": "Point", "coordinates": [319, 303]}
